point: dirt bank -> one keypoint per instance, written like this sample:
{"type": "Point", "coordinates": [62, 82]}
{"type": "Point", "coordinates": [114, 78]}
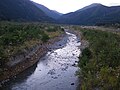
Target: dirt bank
{"type": "Point", "coordinates": [25, 62]}
{"type": "Point", "coordinates": [55, 71]}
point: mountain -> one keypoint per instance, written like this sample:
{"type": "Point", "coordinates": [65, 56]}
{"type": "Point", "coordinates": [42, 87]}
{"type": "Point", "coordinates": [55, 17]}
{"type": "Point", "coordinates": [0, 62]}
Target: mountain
{"type": "Point", "coordinates": [92, 15]}
{"type": "Point", "coordinates": [57, 12]}
{"type": "Point", "coordinates": [21, 10]}
{"type": "Point", "coordinates": [89, 6]}
{"type": "Point", "coordinates": [26, 10]}
{"type": "Point", "coordinates": [53, 14]}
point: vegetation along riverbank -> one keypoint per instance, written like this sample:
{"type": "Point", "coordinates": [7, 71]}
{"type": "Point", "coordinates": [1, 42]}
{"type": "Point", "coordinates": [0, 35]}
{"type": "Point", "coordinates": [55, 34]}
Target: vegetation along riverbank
{"type": "Point", "coordinates": [100, 61]}
{"type": "Point", "coordinates": [22, 44]}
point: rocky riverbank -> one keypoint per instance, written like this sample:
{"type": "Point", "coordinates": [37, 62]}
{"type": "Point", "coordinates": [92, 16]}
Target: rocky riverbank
{"type": "Point", "coordinates": [55, 70]}
{"type": "Point", "coordinates": [84, 43]}
{"type": "Point", "coordinates": [27, 60]}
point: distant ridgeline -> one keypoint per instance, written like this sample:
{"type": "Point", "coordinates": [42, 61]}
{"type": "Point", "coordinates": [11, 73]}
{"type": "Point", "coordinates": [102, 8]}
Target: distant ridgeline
{"type": "Point", "coordinates": [26, 10]}
{"type": "Point", "coordinates": [21, 10]}
{"type": "Point", "coordinates": [95, 14]}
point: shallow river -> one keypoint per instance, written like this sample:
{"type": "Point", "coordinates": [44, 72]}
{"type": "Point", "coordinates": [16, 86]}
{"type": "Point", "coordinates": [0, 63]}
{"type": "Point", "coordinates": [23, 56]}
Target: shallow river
{"type": "Point", "coordinates": [54, 71]}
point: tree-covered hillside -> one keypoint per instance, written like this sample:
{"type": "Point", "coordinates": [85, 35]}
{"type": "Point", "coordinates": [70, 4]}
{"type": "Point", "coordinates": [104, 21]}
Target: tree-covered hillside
{"type": "Point", "coordinates": [21, 10]}
{"type": "Point", "coordinates": [93, 15]}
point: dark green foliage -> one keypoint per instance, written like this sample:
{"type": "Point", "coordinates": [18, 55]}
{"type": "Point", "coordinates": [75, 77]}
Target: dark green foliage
{"type": "Point", "coordinates": [45, 37]}
{"type": "Point", "coordinates": [102, 70]}
{"type": "Point", "coordinates": [14, 35]}
{"type": "Point", "coordinates": [62, 29]}
{"type": "Point", "coordinates": [86, 56]}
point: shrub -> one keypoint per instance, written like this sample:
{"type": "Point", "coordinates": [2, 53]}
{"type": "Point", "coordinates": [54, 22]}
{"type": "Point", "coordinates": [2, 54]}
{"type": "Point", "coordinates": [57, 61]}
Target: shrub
{"type": "Point", "coordinates": [102, 70]}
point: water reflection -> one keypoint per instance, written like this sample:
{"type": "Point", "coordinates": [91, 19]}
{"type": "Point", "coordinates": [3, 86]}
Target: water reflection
{"type": "Point", "coordinates": [55, 71]}
{"type": "Point", "coordinates": [19, 78]}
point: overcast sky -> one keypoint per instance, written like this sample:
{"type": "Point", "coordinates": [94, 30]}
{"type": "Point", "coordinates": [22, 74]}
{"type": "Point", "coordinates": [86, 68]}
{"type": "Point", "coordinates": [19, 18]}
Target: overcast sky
{"type": "Point", "coordinates": [65, 6]}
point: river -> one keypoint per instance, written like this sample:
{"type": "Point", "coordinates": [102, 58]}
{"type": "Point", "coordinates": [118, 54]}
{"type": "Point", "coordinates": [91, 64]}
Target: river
{"type": "Point", "coordinates": [54, 71]}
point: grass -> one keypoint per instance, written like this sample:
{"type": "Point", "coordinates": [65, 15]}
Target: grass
{"type": "Point", "coordinates": [15, 37]}
{"type": "Point", "coordinates": [100, 62]}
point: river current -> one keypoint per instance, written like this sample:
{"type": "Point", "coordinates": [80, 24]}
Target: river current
{"type": "Point", "coordinates": [55, 71]}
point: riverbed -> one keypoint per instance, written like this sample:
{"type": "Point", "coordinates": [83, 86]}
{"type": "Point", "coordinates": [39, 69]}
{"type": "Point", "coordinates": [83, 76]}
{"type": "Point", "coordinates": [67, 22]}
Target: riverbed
{"type": "Point", "coordinates": [54, 71]}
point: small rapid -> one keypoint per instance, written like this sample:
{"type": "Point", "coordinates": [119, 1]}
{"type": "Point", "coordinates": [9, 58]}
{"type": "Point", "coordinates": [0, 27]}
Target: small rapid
{"type": "Point", "coordinates": [54, 71]}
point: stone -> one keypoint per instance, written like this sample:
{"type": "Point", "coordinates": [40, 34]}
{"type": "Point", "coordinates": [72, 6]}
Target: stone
{"type": "Point", "coordinates": [72, 83]}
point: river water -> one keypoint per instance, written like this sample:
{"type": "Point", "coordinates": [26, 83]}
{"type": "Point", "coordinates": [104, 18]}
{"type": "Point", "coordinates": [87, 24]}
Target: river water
{"type": "Point", "coordinates": [54, 71]}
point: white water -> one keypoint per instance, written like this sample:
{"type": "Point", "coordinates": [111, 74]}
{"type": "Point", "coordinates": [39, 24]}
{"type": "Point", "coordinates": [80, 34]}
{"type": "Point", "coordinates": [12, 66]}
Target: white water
{"type": "Point", "coordinates": [55, 71]}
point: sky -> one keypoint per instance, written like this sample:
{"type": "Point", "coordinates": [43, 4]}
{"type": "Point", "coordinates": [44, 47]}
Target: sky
{"type": "Point", "coordinates": [66, 6]}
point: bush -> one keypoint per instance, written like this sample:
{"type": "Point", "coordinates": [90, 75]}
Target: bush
{"type": "Point", "coordinates": [100, 63]}
{"type": "Point", "coordinates": [14, 36]}
{"type": "Point", "coordinates": [86, 56]}
{"type": "Point", "coordinates": [45, 38]}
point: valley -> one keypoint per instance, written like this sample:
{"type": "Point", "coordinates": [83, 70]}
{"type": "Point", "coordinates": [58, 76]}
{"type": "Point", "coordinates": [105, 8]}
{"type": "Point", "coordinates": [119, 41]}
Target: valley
{"type": "Point", "coordinates": [42, 49]}
{"type": "Point", "coordinates": [55, 70]}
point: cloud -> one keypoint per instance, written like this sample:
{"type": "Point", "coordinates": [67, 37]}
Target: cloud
{"type": "Point", "coordinates": [65, 6]}
{"type": "Point", "coordinates": [114, 4]}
